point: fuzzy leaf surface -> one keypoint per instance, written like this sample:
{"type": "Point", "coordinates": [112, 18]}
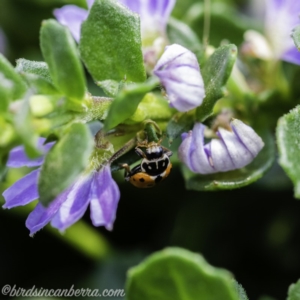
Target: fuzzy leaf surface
{"type": "Point", "coordinates": [288, 142]}
{"type": "Point", "coordinates": [110, 43]}
{"type": "Point", "coordinates": [215, 74]}
{"type": "Point", "coordinates": [18, 84]}
{"type": "Point", "coordinates": [60, 53]}
{"type": "Point", "coordinates": [64, 162]}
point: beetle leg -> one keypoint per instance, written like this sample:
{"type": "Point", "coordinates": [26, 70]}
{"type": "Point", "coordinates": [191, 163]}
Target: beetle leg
{"type": "Point", "coordinates": [127, 169]}
{"type": "Point", "coordinates": [167, 151]}
{"type": "Point", "coordinates": [140, 152]}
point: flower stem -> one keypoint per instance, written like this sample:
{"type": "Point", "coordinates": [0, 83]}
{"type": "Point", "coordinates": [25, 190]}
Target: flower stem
{"type": "Point", "coordinates": [206, 25]}
{"type": "Point", "coordinates": [151, 129]}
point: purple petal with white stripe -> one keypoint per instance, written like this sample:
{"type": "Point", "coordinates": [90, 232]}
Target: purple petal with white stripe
{"type": "Point", "coordinates": [41, 215]}
{"type": "Point", "coordinates": [185, 149]}
{"type": "Point", "coordinates": [199, 157]}
{"type": "Point", "coordinates": [23, 191]}
{"type": "Point", "coordinates": [18, 158]}
{"type": "Point", "coordinates": [75, 204]}
{"type": "Point", "coordinates": [104, 197]}
{"type": "Point", "coordinates": [236, 151]}
{"type": "Point", "coordinates": [71, 16]}
{"type": "Point", "coordinates": [233, 150]}
{"type": "Point", "coordinates": [247, 136]}
{"type": "Point", "coordinates": [219, 156]}
{"type": "Point", "coordinates": [179, 72]}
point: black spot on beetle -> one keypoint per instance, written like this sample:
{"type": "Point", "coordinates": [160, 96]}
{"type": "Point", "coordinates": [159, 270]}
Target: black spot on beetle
{"type": "Point", "coordinates": [158, 179]}
{"type": "Point", "coordinates": [142, 180]}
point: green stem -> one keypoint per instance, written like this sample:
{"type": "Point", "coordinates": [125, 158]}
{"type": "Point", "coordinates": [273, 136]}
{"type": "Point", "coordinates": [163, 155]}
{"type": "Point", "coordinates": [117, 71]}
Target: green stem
{"type": "Point", "coordinates": [151, 131]}
{"type": "Point", "coordinates": [97, 109]}
{"type": "Point", "coordinates": [206, 25]}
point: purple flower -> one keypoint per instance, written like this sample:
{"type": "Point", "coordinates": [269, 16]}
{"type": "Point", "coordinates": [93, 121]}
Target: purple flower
{"type": "Point", "coordinates": [179, 72]}
{"type": "Point", "coordinates": [96, 188]}
{"type": "Point", "coordinates": [72, 16]}
{"type": "Point", "coordinates": [281, 17]}
{"type": "Point", "coordinates": [154, 15]}
{"type": "Point", "coordinates": [232, 150]}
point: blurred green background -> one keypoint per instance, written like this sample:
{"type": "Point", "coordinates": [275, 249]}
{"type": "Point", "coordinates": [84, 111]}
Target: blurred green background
{"type": "Point", "coordinates": [253, 232]}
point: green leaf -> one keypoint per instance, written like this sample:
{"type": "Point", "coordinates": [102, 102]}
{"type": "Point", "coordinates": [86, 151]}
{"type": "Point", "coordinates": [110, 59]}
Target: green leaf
{"type": "Point", "coordinates": [3, 160]}
{"type": "Point", "coordinates": [39, 68]}
{"type": "Point", "coordinates": [40, 85]}
{"type": "Point", "coordinates": [240, 291]}
{"type": "Point", "coordinates": [153, 106]}
{"type": "Point", "coordinates": [182, 34]}
{"type": "Point", "coordinates": [8, 71]}
{"type": "Point", "coordinates": [25, 128]}
{"type": "Point", "coordinates": [294, 291]}
{"type": "Point", "coordinates": [177, 274]}
{"type": "Point", "coordinates": [288, 142]}
{"type": "Point", "coordinates": [37, 75]}
{"type": "Point", "coordinates": [296, 36]}
{"type": "Point", "coordinates": [60, 53]}
{"type": "Point", "coordinates": [7, 137]}
{"type": "Point", "coordinates": [236, 178]}
{"type": "Point", "coordinates": [64, 162]}
{"type": "Point", "coordinates": [110, 43]}
{"type": "Point", "coordinates": [215, 74]}
{"type": "Point", "coordinates": [42, 105]}
{"type": "Point", "coordinates": [127, 101]}
{"type": "Point", "coordinates": [181, 122]}
{"type": "Point", "coordinates": [6, 92]}
{"type": "Point", "coordinates": [97, 109]}
{"type": "Point", "coordinates": [110, 87]}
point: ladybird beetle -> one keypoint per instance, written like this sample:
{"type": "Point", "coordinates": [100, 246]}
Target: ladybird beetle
{"type": "Point", "coordinates": [154, 167]}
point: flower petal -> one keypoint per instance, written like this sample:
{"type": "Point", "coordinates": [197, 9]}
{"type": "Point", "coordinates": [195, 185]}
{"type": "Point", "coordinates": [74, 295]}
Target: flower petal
{"type": "Point", "coordinates": [41, 215]}
{"type": "Point", "coordinates": [185, 149]}
{"type": "Point", "coordinates": [280, 19]}
{"type": "Point", "coordinates": [247, 136]}
{"type": "Point", "coordinates": [18, 157]}
{"type": "Point", "coordinates": [292, 55]}
{"type": "Point", "coordinates": [236, 151]}
{"type": "Point", "coordinates": [179, 72]}
{"type": "Point", "coordinates": [104, 197]}
{"type": "Point", "coordinates": [71, 16]}
{"type": "Point", "coordinates": [222, 162]}
{"type": "Point", "coordinates": [75, 204]}
{"type": "Point", "coordinates": [90, 3]}
{"type": "Point", "coordinates": [154, 14]}
{"type": "Point", "coordinates": [23, 191]}
{"type": "Point", "coordinates": [199, 157]}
